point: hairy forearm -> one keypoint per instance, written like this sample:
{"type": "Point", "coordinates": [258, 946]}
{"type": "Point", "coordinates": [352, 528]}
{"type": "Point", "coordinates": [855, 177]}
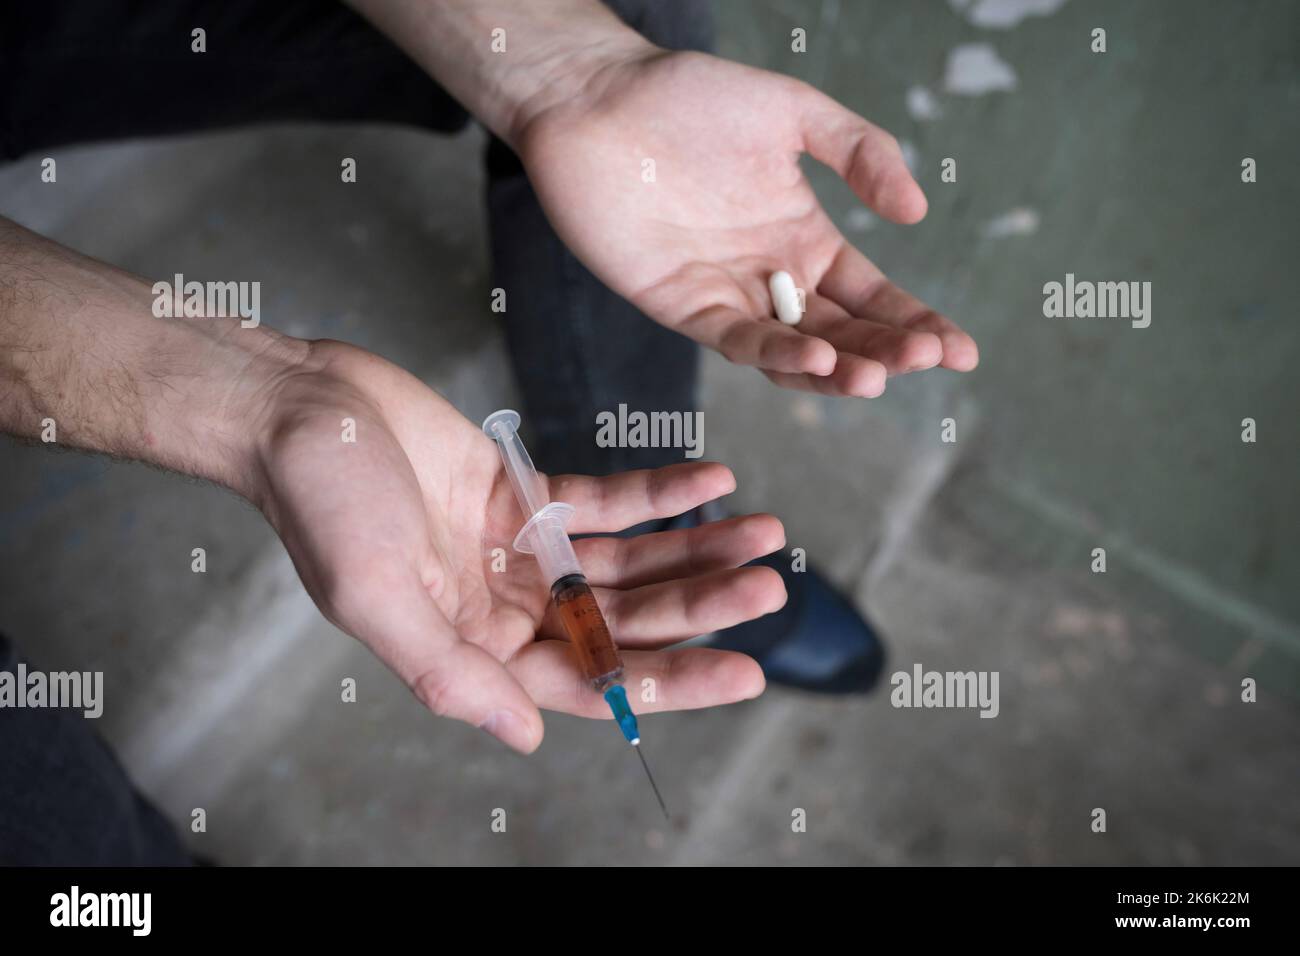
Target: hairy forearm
{"type": "Point", "coordinates": [81, 351]}
{"type": "Point", "coordinates": [548, 52]}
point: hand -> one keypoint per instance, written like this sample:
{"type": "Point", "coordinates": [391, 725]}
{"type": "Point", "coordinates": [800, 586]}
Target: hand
{"type": "Point", "coordinates": [729, 206]}
{"type": "Point", "coordinates": [393, 536]}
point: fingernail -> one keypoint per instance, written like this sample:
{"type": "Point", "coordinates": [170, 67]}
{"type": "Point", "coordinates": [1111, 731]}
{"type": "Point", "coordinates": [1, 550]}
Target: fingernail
{"type": "Point", "coordinates": [506, 726]}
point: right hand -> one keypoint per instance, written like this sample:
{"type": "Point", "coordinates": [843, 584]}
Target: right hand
{"type": "Point", "coordinates": [392, 536]}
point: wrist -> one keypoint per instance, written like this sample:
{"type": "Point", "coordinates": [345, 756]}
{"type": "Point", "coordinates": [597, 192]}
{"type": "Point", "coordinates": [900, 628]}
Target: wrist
{"type": "Point", "coordinates": [508, 61]}
{"type": "Point", "coordinates": [570, 74]}
{"type": "Point", "coordinates": [224, 418]}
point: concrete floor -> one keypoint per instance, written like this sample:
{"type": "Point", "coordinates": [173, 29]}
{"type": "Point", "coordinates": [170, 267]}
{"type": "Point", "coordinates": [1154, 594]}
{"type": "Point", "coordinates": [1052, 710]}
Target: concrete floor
{"type": "Point", "coordinates": [1118, 690]}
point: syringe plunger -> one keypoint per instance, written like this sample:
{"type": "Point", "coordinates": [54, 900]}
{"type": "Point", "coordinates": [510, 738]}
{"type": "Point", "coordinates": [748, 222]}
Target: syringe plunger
{"type": "Point", "coordinates": [544, 533]}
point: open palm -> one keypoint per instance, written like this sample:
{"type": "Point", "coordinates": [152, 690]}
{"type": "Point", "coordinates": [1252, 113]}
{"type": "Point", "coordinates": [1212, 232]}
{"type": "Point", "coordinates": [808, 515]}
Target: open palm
{"type": "Point", "coordinates": [675, 178]}
{"type": "Point", "coordinates": [393, 535]}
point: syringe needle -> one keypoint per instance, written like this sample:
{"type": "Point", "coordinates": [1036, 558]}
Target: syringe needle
{"type": "Point", "coordinates": [654, 786]}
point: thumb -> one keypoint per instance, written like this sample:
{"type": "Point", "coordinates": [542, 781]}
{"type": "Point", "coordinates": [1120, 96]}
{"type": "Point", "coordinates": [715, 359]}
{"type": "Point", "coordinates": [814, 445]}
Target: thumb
{"type": "Point", "coordinates": [865, 156]}
{"type": "Point", "coordinates": [466, 682]}
{"type": "Point", "coordinates": [395, 616]}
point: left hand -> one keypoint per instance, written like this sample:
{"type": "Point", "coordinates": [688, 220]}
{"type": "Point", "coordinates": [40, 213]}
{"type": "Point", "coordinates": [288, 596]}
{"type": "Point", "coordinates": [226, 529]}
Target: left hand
{"type": "Point", "coordinates": [729, 205]}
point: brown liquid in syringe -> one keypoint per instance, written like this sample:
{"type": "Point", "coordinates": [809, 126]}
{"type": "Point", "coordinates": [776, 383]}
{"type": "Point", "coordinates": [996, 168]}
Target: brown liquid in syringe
{"type": "Point", "coordinates": [581, 618]}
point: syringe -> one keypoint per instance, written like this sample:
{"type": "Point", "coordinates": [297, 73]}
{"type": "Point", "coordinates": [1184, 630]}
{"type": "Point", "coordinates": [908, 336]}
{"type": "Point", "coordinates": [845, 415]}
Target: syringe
{"type": "Point", "coordinates": [544, 536]}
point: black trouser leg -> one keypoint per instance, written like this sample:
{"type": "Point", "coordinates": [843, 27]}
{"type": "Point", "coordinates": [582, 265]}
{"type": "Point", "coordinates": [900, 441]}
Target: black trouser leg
{"type": "Point", "coordinates": [578, 349]}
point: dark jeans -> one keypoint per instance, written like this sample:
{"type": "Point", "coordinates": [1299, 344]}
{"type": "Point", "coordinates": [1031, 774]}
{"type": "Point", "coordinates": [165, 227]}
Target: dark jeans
{"type": "Point", "coordinates": [80, 72]}
{"type": "Point", "coordinates": [64, 798]}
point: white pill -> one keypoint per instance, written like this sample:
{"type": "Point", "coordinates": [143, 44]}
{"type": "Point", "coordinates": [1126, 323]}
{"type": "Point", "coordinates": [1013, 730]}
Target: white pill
{"type": "Point", "coordinates": [785, 298]}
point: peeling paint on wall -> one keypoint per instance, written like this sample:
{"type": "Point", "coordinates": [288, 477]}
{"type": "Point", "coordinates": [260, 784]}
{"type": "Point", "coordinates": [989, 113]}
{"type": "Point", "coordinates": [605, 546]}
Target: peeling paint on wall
{"type": "Point", "coordinates": [1021, 221]}
{"type": "Point", "coordinates": [975, 69]}
{"type": "Point", "coordinates": [922, 105]}
{"type": "Point", "coordinates": [1004, 14]}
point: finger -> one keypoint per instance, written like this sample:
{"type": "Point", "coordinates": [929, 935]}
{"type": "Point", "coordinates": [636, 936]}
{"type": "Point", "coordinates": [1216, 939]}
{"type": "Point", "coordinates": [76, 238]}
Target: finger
{"type": "Point", "coordinates": [899, 350]}
{"type": "Point", "coordinates": [685, 679]}
{"type": "Point", "coordinates": [666, 555]}
{"type": "Point", "coordinates": [854, 376]}
{"type": "Point", "coordinates": [394, 615]}
{"type": "Point", "coordinates": [761, 342]}
{"type": "Point", "coordinates": [856, 285]}
{"type": "Point", "coordinates": [803, 383]}
{"type": "Point", "coordinates": [469, 684]}
{"type": "Point", "coordinates": [659, 614]}
{"type": "Point", "coordinates": [620, 501]}
{"type": "Point", "coordinates": [864, 155]}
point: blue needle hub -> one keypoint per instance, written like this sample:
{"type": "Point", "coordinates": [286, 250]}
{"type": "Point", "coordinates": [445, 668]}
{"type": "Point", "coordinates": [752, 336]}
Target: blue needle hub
{"type": "Point", "coordinates": [616, 697]}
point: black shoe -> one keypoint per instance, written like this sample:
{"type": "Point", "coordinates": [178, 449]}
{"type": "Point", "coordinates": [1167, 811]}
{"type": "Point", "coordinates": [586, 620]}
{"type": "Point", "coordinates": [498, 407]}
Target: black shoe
{"type": "Point", "coordinates": [819, 641]}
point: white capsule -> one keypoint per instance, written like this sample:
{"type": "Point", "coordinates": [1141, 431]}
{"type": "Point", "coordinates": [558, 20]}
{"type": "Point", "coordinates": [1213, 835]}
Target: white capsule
{"type": "Point", "coordinates": [785, 298]}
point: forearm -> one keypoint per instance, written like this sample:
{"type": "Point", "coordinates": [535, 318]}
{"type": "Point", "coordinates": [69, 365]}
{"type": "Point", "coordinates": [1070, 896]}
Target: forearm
{"type": "Point", "coordinates": [552, 50]}
{"type": "Point", "coordinates": [80, 347]}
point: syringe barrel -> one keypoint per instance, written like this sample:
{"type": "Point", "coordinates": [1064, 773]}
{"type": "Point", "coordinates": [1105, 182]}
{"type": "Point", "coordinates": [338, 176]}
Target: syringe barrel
{"type": "Point", "coordinates": [548, 541]}
{"type": "Point", "coordinates": [594, 646]}
{"type": "Point", "coordinates": [503, 426]}
{"type": "Point", "coordinates": [545, 535]}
